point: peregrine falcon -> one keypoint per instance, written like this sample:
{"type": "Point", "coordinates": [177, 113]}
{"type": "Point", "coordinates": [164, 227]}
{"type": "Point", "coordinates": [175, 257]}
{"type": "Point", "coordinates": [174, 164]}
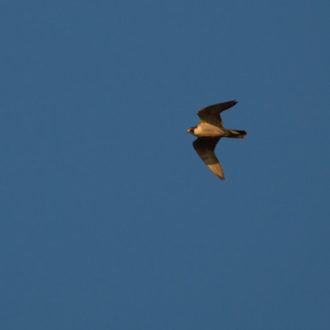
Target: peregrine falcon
{"type": "Point", "coordinates": [209, 131]}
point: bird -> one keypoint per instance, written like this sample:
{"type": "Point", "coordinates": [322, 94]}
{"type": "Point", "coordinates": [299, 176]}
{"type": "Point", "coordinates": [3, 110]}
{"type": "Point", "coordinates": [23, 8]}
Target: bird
{"type": "Point", "coordinates": [209, 131]}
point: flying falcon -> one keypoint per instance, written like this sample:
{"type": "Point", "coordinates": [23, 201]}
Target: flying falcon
{"type": "Point", "coordinates": [209, 131]}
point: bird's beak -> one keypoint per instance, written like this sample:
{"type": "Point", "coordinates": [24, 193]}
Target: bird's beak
{"type": "Point", "coordinates": [189, 130]}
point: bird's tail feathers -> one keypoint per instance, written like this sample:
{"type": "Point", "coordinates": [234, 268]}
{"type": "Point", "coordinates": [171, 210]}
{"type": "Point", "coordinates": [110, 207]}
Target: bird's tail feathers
{"type": "Point", "coordinates": [232, 133]}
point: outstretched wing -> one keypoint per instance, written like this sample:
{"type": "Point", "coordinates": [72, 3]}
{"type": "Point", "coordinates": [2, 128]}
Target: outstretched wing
{"type": "Point", "coordinates": [211, 113]}
{"type": "Point", "coordinates": [205, 149]}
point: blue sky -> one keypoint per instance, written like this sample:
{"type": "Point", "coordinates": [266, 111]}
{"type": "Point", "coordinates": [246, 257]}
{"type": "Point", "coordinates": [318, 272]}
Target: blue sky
{"type": "Point", "coordinates": [109, 220]}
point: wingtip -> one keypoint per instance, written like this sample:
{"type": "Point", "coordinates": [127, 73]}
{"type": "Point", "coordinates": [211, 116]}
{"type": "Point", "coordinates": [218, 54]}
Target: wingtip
{"type": "Point", "coordinates": [232, 103]}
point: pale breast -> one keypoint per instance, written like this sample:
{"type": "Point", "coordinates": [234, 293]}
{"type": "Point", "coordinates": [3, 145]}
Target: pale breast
{"type": "Point", "coordinates": [206, 129]}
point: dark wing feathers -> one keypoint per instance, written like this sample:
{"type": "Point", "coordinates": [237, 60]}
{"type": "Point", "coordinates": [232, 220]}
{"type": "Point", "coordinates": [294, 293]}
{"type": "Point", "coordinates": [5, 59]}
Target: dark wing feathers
{"type": "Point", "coordinates": [211, 113]}
{"type": "Point", "coordinates": [205, 149]}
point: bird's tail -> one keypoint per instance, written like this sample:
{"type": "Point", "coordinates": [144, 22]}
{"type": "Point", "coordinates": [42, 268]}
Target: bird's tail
{"type": "Point", "coordinates": [232, 133]}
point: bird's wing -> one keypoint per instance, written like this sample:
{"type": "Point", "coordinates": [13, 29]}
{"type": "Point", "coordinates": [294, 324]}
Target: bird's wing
{"type": "Point", "coordinates": [211, 113]}
{"type": "Point", "coordinates": [205, 149]}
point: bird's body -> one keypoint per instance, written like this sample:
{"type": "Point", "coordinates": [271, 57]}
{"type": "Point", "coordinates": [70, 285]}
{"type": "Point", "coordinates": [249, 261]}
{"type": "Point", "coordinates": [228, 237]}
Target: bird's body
{"type": "Point", "coordinates": [209, 131]}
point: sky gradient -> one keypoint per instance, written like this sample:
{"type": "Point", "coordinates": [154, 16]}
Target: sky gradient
{"type": "Point", "coordinates": [109, 219]}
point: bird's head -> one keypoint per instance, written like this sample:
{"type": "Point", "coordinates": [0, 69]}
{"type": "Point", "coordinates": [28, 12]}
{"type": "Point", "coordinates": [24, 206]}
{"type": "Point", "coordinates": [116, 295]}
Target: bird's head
{"type": "Point", "coordinates": [191, 130]}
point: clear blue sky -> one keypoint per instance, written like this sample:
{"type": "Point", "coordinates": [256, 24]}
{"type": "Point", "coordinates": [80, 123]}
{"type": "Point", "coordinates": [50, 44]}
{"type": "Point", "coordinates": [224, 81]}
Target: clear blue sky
{"type": "Point", "coordinates": [109, 220]}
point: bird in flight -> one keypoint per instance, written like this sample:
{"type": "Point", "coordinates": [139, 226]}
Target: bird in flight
{"type": "Point", "coordinates": [209, 131]}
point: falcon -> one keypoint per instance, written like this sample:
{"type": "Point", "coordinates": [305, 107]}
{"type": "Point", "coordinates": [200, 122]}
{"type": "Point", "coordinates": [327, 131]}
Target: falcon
{"type": "Point", "coordinates": [209, 131]}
